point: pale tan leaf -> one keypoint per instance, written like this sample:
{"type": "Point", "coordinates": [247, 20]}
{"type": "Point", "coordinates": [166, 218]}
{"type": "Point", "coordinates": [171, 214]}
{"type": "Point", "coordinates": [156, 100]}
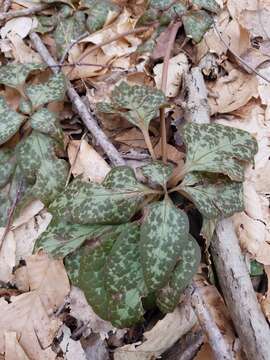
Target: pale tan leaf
{"type": "Point", "coordinates": [7, 256]}
{"type": "Point", "coordinates": [13, 350]}
{"type": "Point", "coordinates": [86, 161]}
{"type": "Point", "coordinates": [20, 26]}
{"type": "Point", "coordinates": [27, 213]}
{"type": "Point", "coordinates": [232, 91]}
{"type": "Point", "coordinates": [178, 65]}
{"type": "Point", "coordinates": [163, 335]}
{"type": "Point", "coordinates": [21, 52]}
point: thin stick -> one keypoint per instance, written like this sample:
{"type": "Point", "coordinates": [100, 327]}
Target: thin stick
{"type": "Point", "coordinates": [239, 57]}
{"type": "Point", "coordinates": [11, 214]}
{"type": "Point", "coordinates": [174, 29]}
{"type": "Point", "coordinates": [70, 46]}
{"type": "Point", "coordinates": [24, 12]}
{"type": "Point", "coordinates": [87, 118]}
{"type": "Point", "coordinates": [218, 345]}
{"type": "Point", "coordinates": [114, 38]}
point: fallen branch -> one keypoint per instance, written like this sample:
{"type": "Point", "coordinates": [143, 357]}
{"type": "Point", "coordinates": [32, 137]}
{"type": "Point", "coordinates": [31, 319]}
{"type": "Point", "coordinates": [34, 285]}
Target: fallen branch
{"type": "Point", "coordinates": [5, 16]}
{"type": "Point", "coordinates": [87, 118]}
{"type": "Point", "coordinates": [240, 297]}
{"type": "Point", "coordinates": [221, 349]}
{"type": "Point", "coordinates": [247, 316]}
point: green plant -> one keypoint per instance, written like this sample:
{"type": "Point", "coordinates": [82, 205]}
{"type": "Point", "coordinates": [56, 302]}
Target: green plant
{"type": "Point", "coordinates": [33, 162]}
{"type": "Point", "coordinates": [125, 241]}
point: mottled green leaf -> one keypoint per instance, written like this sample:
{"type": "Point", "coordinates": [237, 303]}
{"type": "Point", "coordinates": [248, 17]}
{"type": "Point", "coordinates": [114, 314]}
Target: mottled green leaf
{"type": "Point", "coordinates": [5, 205]}
{"type": "Point", "coordinates": [92, 274]}
{"type": "Point", "coordinates": [137, 103]}
{"type": "Point", "coordinates": [68, 30]}
{"type": "Point", "coordinates": [210, 5]}
{"type": "Point", "coordinates": [214, 197]}
{"type": "Point", "coordinates": [7, 166]}
{"type": "Point", "coordinates": [53, 90]}
{"type": "Point", "coordinates": [163, 234]}
{"type": "Point", "coordinates": [256, 269]}
{"type": "Point", "coordinates": [168, 297]}
{"type": "Point", "coordinates": [124, 279]}
{"type": "Point", "coordinates": [61, 238]}
{"type": "Point", "coordinates": [89, 203]}
{"type": "Point", "coordinates": [50, 180]}
{"type": "Point", "coordinates": [196, 23]}
{"type": "Point", "coordinates": [46, 122]}
{"type": "Point", "coordinates": [158, 172]}
{"type": "Point", "coordinates": [123, 177]}
{"type": "Point", "coordinates": [25, 106]}
{"type": "Point", "coordinates": [161, 4]}
{"type": "Point", "coordinates": [10, 121]}
{"type": "Point", "coordinates": [31, 152]}
{"type": "Point", "coordinates": [219, 149]}
{"type": "Point", "coordinates": [98, 12]}
{"type": "Point", "coordinates": [45, 24]}
{"type": "Point", "coordinates": [15, 75]}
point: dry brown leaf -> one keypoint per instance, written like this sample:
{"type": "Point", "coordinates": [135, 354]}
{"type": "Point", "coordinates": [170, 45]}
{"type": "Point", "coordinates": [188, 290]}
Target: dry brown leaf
{"type": "Point", "coordinates": [178, 65]}
{"type": "Point", "coordinates": [13, 350]}
{"type": "Point", "coordinates": [21, 52]}
{"type": "Point", "coordinates": [252, 15]}
{"type": "Point", "coordinates": [86, 161]}
{"type": "Point", "coordinates": [163, 335]}
{"type": "Point", "coordinates": [7, 256]}
{"type": "Point", "coordinates": [232, 91]}
{"type": "Point", "coordinates": [30, 315]}
{"type": "Point", "coordinates": [20, 26]}
{"type": "Point", "coordinates": [234, 36]}
{"type": "Point", "coordinates": [132, 137]}
{"type": "Point", "coordinates": [71, 349]}
{"type": "Point", "coordinates": [265, 301]}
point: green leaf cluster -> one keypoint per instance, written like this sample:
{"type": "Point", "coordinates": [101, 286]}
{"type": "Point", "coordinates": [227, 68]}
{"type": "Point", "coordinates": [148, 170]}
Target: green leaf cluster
{"type": "Point", "coordinates": [195, 14]}
{"type": "Point", "coordinates": [33, 162]}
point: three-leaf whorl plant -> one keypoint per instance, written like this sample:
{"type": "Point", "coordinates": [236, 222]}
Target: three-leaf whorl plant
{"type": "Point", "coordinates": [125, 241]}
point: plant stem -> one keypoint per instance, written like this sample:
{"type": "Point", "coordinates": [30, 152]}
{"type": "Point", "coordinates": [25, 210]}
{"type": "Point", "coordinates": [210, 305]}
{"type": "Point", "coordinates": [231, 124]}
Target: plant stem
{"type": "Point", "coordinates": [149, 143]}
{"type": "Point", "coordinates": [174, 29]}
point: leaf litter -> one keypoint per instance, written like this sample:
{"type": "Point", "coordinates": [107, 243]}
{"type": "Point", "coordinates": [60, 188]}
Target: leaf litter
{"type": "Point", "coordinates": [47, 158]}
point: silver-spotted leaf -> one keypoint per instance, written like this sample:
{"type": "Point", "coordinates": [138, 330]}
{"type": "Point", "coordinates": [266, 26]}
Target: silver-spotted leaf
{"type": "Point", "coordinates": [158, 172]}
{"type": "Point", "coordinates": [214, 197]}
{"type": "Point", "coordinates": [218, 149]}
{"type": "Point", "coordinates": [168, 297]}
{"type": "Point", "coordinates": [98, 12]}
{"type": "Point", "coordinates": [124, 278]}
{"type": "Point", "coordinates": [50, 180]}
{"type": "Point", "coordinates": [123, 177]}
{"type": "Point", "coordinates": [7, 166]}
{"type": "Point", "coordinates": [196, 23]}
{"type": "Point", "coordinates": [209, 5]}
{"type": "Point", "coordinates": [137, 103]}
{"type": "Point", "coordinates": [53, 90]}
{"type": "Point", "coordinates": [61, 238]}
{"type": "Point", "coordinates": [25, 106]}
{"type": "Point", "coordinates": [163, 234]}
{"type": "Point", "coordinates": [10, 121]}
{"type": "Point", "coordinates": [68, 30]}
{"type": "Point", "coordinates": [89, 203]}
{"type": "Point", "coordinates": [15, 75]}
{"type": "Point", "coordinates": [31, 152]}
{"type": "Point", "coordinates": [5, 205]}
{"type": "Point", "coordinates": [46, 122]}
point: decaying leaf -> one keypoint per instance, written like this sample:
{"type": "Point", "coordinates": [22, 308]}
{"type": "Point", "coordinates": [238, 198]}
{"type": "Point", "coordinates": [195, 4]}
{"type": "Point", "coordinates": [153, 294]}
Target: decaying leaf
{"type": "Point", "coordinates": [86, 162]}
{"type": "Point", "coordinates": [29, 315]}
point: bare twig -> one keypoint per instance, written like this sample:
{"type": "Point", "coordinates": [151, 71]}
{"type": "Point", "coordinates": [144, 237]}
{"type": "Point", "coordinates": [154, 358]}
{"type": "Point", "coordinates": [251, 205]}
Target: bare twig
{"type": "Point", "coordinates": [4, 16]}
{"type": "Point", "coordinates": [88, 119]}
{"type": "Point", "coordinates": [239, 57]}
{"type": "Point", "coordinates": [220, 348]}
{"type": "Point", "coordinates": [73, 43]}
{"type": "Point", "coordinates": [173, 32]}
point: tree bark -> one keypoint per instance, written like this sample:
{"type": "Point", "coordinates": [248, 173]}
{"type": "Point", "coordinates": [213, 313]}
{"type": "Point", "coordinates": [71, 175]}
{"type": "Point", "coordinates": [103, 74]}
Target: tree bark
{"type": "Point", "coordinates": [240, 297]}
